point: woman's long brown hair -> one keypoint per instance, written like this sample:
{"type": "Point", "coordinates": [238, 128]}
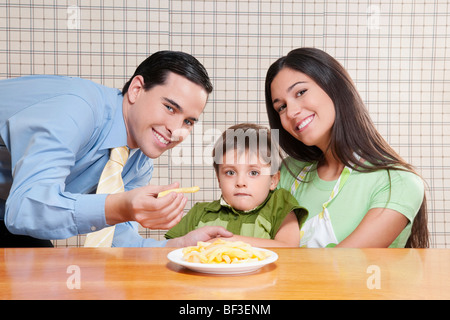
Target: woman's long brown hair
{"type": "Point", "coordinates": [353, 130]}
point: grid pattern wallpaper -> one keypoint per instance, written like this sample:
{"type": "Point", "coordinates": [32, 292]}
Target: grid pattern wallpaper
{"type": "Point", "coordinates": [396, 51]}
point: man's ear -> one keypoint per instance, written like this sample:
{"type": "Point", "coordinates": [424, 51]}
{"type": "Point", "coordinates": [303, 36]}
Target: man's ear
{"type": "Point", "coordinates": [275, 180]}
{"type": "Point", "coordinates": [135, 88]}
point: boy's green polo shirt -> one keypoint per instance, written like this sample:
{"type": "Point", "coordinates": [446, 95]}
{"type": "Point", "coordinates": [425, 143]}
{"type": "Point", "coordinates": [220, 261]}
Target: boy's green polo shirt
{"type": "Point", "coordinates": [261, 222]}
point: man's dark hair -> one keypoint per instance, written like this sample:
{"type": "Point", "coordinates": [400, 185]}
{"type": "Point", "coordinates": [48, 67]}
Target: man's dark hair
{"type": "Point", "coordinates": [156, 67]}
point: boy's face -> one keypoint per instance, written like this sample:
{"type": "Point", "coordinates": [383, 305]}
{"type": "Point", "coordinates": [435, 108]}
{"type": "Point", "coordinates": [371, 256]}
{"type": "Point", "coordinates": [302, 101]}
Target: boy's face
{"type": "Point", "coordinates": [160, 118]}
{"type": "Point", "coordinates": [245, 181]}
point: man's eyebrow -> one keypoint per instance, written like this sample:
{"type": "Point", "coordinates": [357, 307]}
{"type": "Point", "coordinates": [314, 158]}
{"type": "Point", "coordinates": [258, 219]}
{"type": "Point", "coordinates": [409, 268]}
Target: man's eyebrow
{"type": "Point", "coordinates": [173, 103]}
{"type": "Point", "coordinates": [178, 107]}
{"type": "Point", "coordinates": [289, 89]}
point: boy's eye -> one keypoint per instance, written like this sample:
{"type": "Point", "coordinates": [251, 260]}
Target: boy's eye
{"type": "Point", "coordinates": [169, 108]}
{"type": "Point", "coordinates": [188, 122]}
{"type": "Point", "coordinates": [254, 173]}
{"type": "Point", "coordinates": [229, 172]}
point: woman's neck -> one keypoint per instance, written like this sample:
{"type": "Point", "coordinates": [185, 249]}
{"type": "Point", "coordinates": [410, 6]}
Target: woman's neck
{"type": "Point", "coordinates": [330, 168]}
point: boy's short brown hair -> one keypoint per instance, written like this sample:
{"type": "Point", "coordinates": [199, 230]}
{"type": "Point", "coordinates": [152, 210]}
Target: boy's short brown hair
{"type": "Point", "coordinates": [248, 136]}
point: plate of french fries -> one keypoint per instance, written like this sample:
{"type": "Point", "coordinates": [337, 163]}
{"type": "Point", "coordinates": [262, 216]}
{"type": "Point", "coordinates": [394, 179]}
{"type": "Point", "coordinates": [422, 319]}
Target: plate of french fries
{"type": "Point", "coordinates": [222, 257]}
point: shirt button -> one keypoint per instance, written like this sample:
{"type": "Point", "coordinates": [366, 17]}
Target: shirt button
{"type": "Point", "coordinates": [93, 228]}
{"type": "Point", "coordinates": [236, 217]}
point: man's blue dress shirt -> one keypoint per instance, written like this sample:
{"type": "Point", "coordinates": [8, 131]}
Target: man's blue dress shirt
{"type": "Point", "coordinates": [56, 133]}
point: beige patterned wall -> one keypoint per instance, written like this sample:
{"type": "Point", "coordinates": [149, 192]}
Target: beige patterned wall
{"type": "Point", "coordinates": [396, 51]}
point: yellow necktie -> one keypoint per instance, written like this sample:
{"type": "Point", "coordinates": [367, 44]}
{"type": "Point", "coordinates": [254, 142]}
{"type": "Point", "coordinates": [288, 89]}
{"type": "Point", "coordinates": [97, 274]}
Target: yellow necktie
{"type": "Point", "coordinates": [110, 182]}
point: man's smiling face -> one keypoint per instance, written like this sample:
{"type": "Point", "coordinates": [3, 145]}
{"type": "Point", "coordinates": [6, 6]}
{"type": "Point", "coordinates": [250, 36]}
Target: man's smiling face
{"type": "Point", "coordinates": [160, 118]}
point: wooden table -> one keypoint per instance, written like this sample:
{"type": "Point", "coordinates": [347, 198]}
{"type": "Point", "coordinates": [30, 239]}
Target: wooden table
{"type": "Point", "coordinates": [131, 273]}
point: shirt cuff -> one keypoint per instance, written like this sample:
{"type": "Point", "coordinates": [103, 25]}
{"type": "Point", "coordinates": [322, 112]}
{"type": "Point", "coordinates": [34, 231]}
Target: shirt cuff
{"type": "Point", "coordinates": [126, 235]}
{"type": "Point", "coordinates": [149, 242]}
{"type": "Point", "coordinates": [90, 213]}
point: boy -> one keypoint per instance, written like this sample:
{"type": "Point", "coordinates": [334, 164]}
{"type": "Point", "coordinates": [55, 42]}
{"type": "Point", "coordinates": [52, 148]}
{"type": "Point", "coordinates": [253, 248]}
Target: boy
{"type": "Point", "coordinates": [246, 165]}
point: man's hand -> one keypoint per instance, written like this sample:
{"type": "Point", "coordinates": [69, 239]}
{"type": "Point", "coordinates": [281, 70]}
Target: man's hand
{"type": "Point", "coordinates": [144, 206]}
{"type": "Point", "coordinates": [201, 234]}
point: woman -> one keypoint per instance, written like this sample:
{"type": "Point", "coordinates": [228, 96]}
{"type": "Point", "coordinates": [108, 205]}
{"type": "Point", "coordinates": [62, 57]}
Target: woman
{"type": "Point", "coordinates": [359, 192]}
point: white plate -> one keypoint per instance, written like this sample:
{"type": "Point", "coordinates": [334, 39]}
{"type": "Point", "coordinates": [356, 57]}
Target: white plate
{"type": "Point", "coordinates": [176, 256]}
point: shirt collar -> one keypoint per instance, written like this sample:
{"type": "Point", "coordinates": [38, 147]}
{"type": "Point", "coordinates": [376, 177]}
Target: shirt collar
{"type": "Point", "coordinates": [216, 205]}
{"type": "Point", "coordinates": [117, 135]}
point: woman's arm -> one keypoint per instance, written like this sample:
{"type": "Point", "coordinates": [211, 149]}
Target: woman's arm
{"type": "Point", "coordinates": [287, 236]}
{"type": "Point", "coordinates": [378, 229]}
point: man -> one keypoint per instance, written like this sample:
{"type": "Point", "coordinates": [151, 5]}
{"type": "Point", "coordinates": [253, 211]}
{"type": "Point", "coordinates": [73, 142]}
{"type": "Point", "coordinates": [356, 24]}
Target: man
{"type": "Point", "coordinates": [56, 135]}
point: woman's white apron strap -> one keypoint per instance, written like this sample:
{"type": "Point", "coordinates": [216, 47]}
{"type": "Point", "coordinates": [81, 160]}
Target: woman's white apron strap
{"type": "Point", "coordinates": [318, 231]}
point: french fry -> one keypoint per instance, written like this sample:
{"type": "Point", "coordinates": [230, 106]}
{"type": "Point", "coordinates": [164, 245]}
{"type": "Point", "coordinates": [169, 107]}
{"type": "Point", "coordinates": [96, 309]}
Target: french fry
{"type": "Point", "coordinates": [179, 190]}
{"type": "Point", "coordinates": [221, 251]}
